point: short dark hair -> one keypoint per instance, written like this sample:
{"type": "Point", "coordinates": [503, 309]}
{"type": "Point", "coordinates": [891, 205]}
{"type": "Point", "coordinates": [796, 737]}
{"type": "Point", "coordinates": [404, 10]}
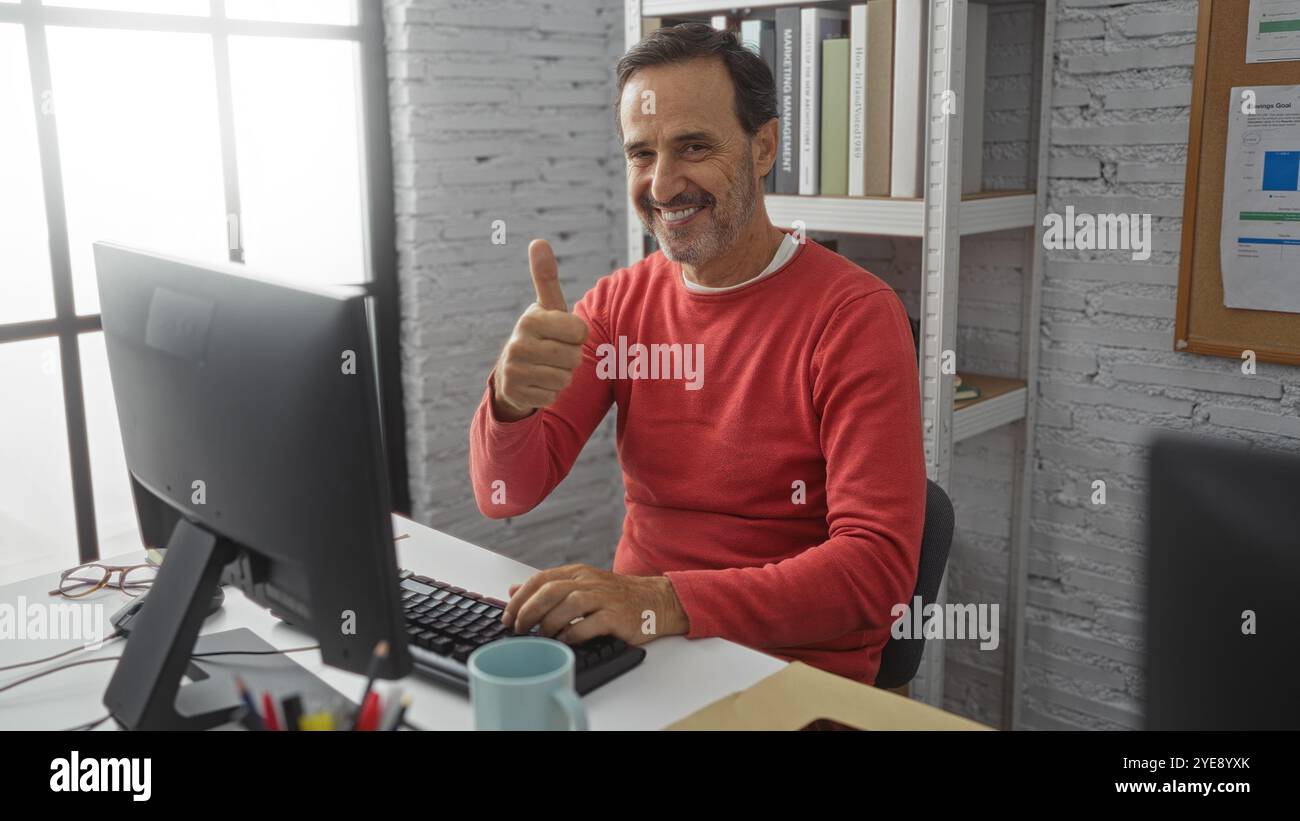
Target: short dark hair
{"type": "Point", "coordinates": [751, 79]}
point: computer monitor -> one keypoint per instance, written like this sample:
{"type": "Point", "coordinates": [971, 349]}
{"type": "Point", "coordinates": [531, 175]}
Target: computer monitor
{"type": "Point", "coordinates": [250, 419]}
{"type": "Point", "coordinates": [1223, 586]}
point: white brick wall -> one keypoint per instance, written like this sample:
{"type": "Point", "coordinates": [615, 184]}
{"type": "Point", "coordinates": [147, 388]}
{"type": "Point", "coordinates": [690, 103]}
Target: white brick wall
{"type": "Point", "coordinates": [500, 111]}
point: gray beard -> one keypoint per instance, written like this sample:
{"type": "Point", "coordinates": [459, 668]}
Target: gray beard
{"type": "Point", "coordinates": [713, 245]}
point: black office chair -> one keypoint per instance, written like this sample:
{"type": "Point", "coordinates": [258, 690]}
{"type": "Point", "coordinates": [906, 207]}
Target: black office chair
{"type": "Point", "coordinates": [901, 657]}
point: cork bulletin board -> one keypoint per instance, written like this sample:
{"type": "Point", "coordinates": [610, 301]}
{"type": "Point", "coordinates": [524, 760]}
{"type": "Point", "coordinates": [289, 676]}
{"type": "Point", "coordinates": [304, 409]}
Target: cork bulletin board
{"type": "Point", "coordinates": [1203, 324]}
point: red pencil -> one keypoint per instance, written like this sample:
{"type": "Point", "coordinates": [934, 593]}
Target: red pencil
{"type": "Point", "coordinates": [368, 718]}
{"type": "Point", "coordinates": [268, 706]}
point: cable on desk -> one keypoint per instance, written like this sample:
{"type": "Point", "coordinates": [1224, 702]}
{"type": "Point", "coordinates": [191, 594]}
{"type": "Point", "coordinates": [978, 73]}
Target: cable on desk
{"type": "Point", "coordinates": [89, 725]}
{"type": "Point", "coordinates": [70, 665]}
{"type": "Point", "coordinates": [60, 668]}
{"type": "Point", "coordinates": [255, 652]}
{"type": "Point", "coordinates": [116, 634]}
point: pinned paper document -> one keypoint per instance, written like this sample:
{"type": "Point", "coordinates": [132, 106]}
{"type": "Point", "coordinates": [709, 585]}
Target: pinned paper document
{"type": "Point", "coordinates": [1273, 31]}
{"type": "Point", "coordinates": [1259, 250]}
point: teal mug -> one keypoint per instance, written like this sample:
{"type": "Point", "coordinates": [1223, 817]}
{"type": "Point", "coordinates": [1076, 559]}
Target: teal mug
{"type": "Point", "coordinates": [525, 683]}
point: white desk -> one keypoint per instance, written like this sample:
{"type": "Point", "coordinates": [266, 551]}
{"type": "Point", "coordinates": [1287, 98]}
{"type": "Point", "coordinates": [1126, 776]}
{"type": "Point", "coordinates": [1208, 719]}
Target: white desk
{"type": "Point", "coordinates": [677, 677]}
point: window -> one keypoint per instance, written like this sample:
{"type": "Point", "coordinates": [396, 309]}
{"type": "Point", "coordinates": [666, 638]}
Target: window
{"type": "Point", "coordinates": [245, 131]}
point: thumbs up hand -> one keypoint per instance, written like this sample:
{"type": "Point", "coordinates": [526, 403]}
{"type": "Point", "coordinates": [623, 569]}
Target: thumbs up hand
{"type": "Point", "coordinates": [545, 349]}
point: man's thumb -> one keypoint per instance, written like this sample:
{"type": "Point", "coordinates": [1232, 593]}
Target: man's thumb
{"type": "Point", "coordinates": [546, 276]}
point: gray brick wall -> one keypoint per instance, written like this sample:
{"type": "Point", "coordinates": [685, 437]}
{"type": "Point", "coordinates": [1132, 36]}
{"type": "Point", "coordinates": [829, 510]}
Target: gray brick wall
{"type": "Point", "coordinates": [500, 111]}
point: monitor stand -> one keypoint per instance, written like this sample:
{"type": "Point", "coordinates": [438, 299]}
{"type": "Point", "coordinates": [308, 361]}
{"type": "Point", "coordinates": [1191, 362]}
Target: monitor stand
{"type": "Point", "coordinates": [147, 691]}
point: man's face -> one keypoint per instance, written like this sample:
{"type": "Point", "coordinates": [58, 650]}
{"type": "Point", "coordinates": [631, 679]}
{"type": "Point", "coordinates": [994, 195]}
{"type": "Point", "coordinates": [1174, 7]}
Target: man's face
{"type": "Point", "coordinates": [690, 164]}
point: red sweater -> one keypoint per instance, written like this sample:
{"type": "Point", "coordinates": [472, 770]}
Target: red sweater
{"type": "Point", "coordinates": [782, 490]}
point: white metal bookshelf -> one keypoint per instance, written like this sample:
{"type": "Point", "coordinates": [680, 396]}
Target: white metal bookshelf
{"type": "Point", "coordinates": [940, 219]}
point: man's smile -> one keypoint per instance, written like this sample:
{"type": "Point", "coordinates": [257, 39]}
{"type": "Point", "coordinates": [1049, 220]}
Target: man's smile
{"type": "Point", "coordinates": [679, 217]}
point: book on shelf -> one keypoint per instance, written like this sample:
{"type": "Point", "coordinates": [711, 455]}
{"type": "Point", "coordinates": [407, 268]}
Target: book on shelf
{"type": "Point", "coordinates": [907, 167]}
{"type": "Point", "coordinates": [857, 98]}
{"type": "Point", "coordinates": [815, 26]}
{"type": "Point", "coordinates": [650, 25]}
{"type": "Point", "coordinates": [767, 46]}
{"type": "Point", "coordinates": [759, 36]}
{"type": "Point", "coordinates": [963, 392]}
{"type": "Point", "coordinates": [751, 34]}
{"type": "Point", "coordinates": [878, 110]}
{"type": "Point", "coordinates": [786, 77]}
{"type": "Point", "coordinates": [972, 102]}
{"type": "Point", "coordinates": [834, 153]}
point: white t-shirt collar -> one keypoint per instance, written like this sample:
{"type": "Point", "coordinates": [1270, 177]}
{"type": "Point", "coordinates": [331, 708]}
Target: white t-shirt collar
{"type": "Point", "coordinates": [784, 252]}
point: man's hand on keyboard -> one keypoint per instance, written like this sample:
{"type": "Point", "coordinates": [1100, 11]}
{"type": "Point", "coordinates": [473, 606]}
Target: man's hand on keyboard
{"type": "Point", "coordinates": [577, 602]}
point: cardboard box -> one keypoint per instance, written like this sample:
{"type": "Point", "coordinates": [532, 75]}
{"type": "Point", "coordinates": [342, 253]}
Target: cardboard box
{"type": "Point", "coordinates": [798, 695]}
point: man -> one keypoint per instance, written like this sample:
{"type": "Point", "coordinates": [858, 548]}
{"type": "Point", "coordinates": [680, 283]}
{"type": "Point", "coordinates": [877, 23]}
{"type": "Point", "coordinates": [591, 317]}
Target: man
{"type": "Point", "coordinates": [768, 408]}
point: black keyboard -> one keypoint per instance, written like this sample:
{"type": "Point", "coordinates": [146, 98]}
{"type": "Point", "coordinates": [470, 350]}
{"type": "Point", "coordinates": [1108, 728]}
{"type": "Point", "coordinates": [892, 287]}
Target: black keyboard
{"type": "Point", "coordinates": [445, 623]}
